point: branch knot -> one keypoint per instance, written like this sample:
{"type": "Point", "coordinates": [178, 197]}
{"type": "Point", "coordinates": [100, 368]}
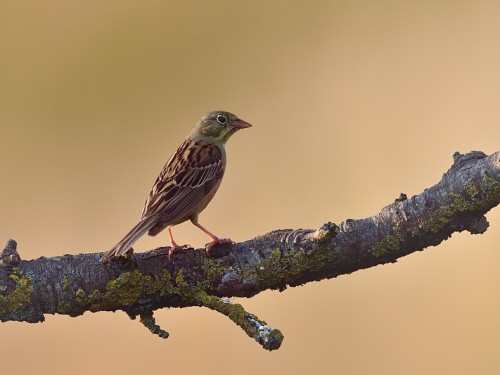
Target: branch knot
{"type": "Point", "coordinates": [9, 257]}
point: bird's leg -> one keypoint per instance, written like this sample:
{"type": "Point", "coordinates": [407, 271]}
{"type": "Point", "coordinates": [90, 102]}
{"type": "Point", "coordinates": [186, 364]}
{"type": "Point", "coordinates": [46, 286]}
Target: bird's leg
{"type": "Point", "coordinates": [173, 244]}
{"type": "Point", "coordinates": [215, 239]}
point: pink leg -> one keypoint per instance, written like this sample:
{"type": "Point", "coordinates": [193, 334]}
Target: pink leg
{"type": "Point", "coordinates": [173, 245]}
{"type": "Point", "coordinates": [215, 239]}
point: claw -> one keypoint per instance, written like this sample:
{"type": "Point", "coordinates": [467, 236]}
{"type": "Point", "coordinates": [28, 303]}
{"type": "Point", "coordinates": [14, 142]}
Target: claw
{"type": "Point", "coordinates": [216, 241]}
{"type": "Point", "coordinates": [174, 247]}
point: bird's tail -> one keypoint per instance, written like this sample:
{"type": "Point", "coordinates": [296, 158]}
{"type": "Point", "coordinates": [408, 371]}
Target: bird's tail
{"type": "Point", "coordinates": [126, 243]}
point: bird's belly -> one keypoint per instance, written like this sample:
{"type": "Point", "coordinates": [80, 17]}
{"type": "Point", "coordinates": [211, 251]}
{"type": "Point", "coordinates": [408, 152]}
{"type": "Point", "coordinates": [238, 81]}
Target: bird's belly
{"type": "Point", "coordinates": [196, 210]}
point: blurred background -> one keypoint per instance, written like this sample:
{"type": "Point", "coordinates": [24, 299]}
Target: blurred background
{"type": "Point", "coordinates": [352, 102]}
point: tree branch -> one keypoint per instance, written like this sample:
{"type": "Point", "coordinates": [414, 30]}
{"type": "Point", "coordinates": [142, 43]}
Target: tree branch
{"type": "Point", "coordinates": [145, 282]}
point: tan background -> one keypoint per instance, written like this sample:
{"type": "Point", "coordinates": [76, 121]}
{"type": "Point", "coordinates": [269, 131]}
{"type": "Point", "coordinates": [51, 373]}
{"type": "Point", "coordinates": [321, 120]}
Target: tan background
{"type": "Point", "coordinates": [352, 103]}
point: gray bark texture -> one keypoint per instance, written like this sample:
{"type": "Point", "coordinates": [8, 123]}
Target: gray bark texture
{"type": "Point", "coordinates": [142, 283]}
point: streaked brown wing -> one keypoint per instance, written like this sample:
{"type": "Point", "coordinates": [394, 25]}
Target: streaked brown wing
{"type": "Point", "coordinates": [188, 178]}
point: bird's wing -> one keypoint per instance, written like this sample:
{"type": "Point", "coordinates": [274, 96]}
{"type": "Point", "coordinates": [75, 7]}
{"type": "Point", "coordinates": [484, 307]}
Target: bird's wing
{"type": "Point", "coordinates": [190, 175]}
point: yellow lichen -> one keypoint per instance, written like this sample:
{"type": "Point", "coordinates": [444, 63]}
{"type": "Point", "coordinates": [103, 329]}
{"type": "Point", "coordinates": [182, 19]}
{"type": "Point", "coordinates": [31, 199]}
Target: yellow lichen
{"type": "Point", "coordinates": [284, 268]}
{"type": "Point", "coordinates": [65, 282]}
{"type": "Point", "coordinates": [20, 297]}
{"type": "Point", "coordinates": [125, 290]}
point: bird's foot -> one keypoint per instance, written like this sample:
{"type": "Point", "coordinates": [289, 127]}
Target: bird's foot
{"type": "Point", "coordinates": [216, 241]}
{"type": "Point", "coordinates": [174, 248]}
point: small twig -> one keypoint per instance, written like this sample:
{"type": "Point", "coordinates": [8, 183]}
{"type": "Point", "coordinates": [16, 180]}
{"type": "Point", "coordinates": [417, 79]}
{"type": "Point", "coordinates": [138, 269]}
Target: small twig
{"type": "Point", "coordinates": [268, 337]}
{"type": "Point", "coordinates": [149, 322]}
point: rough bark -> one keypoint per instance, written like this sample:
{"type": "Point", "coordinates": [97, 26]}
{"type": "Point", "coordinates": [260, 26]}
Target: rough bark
{"type": "Point", "coordinates": [142, 283]}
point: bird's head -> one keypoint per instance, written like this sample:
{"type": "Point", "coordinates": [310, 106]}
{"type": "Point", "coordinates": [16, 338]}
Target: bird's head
{"type": "Point", "coordinates": [218, 126]}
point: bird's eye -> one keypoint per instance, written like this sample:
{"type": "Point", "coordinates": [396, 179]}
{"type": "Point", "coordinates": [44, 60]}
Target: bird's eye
{"type": "Point", "coordinates": [221, 119]}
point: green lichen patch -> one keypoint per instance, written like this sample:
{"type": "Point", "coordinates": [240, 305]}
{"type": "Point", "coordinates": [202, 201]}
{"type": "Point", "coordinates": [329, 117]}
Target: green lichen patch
{"type": "Point", "coordinates": [473, 198]}
{"type": "Point", "coordinates": [125, 290]}
{"type": "Point", "coordinates": [294, 266]}
{"type": "Point", "coordinates": [65, 282]}
{"type": "Point", "coordinates": [491, 190]}
{"type": "Point", "coordinates": [213, 271]}
{"type": "Point", "coordinates": [471, 189]}
{"type": "Point", "coordinates": [64, 308]}
{"type": "Point", "coordinates": [161, 285]}
{"type": "Point", "coordinates": [268, 271]}
{"type": "Point", "coordinates": [20, 297]}
{"type": "Point", "coordinates": [187, 291]}
{"type": "Point", "coordinates": [388, 244]}
{"type": "Point", "coordinates": [81, 296]}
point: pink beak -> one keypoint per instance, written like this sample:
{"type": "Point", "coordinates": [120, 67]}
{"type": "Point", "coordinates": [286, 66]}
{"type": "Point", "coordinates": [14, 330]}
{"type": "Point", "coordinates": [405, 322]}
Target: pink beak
{"type": "Point", "coordinates": [240, 124]}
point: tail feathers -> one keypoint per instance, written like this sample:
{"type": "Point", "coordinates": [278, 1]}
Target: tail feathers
{"type": "Point", "coordinates": [126, 243]}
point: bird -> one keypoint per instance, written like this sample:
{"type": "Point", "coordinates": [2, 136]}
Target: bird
{"type": "Point", "coordinates": [186, 184]}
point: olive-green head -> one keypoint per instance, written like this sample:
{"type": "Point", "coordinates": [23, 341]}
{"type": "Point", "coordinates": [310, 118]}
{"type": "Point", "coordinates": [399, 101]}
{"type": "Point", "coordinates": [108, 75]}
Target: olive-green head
{"type": "Point", "coordinates": [218, 126]}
